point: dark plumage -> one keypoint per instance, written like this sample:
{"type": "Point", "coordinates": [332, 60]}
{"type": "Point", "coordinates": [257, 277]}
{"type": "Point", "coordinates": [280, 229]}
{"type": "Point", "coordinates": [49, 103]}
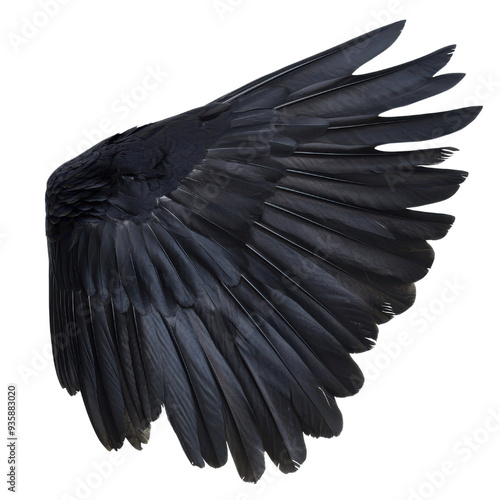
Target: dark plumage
{"type": "Point", "coordinates": [224, 263]}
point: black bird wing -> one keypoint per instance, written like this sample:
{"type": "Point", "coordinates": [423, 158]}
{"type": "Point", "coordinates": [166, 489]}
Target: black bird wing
{"type": "Point", "coordinates": [249, 248]}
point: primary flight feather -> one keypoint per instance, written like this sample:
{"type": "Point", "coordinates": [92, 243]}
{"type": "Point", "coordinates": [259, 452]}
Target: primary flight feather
{"type": "Point", "coordinates": [224, 263]}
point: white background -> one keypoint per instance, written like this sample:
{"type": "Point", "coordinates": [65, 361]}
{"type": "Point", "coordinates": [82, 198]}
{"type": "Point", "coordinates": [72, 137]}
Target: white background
{"type": "Point", "coordinates": [424, 425]}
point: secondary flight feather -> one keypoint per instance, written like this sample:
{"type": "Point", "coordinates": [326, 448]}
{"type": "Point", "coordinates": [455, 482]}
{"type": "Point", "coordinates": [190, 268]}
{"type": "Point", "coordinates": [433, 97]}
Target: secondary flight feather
{"type": "Point", "coordinates": [223, 264]}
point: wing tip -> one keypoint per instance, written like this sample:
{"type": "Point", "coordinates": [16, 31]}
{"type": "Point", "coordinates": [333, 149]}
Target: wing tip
{"type": "Point", "coordinates": [390, 32]}
{"type": "Point", "coordinates": [395, 26]}
{"type": "Point", "coordinates": [461, 117]}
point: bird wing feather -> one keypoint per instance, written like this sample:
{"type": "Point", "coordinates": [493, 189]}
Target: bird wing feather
{"type": "Point", "coordinates": [282, 240]}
